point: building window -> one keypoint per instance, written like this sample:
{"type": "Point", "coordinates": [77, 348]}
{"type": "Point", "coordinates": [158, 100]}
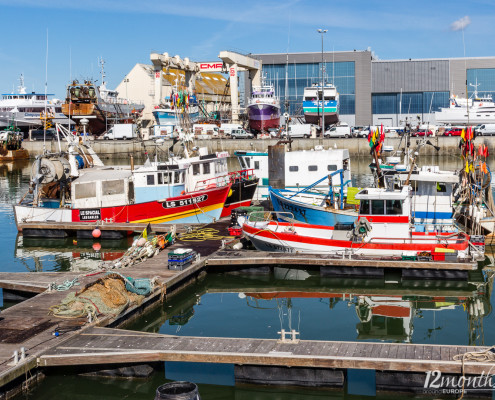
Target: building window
{"type": "Point", "coordinates": [293, 168]}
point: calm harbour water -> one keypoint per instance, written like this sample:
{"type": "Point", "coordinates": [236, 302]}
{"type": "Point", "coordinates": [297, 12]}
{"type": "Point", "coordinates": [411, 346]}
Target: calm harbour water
{"type": "Point", "coordinates": [432, 312]}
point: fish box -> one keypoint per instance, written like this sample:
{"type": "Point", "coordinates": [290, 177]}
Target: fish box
{"type": "Point", "coordinates": [424, 256]}
{"type": "Point", "coordinates": [437, 256]}
{"type": "Point", "coordinates": [408, 256]}
{"type": "Point", "coordinates": [235, 231]}
{"type": "Point", "coordinates": [180, 259]}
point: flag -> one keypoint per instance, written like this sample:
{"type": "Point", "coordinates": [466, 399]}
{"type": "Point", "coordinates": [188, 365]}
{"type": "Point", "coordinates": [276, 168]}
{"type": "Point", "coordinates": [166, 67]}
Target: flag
{"type": "Point", "coordinates": [467, 168]}
{"type": "Point", "coordinates": [463, 134]}
{"type": "Point", "coordinates": [146, 231]}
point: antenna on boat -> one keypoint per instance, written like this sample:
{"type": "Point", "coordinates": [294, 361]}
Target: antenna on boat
{"type": "Point", "coordinates": [46, 89]}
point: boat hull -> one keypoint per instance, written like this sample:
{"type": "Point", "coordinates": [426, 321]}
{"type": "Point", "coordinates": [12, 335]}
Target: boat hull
{"type": "Point", "coordinates": [315, 118]}
{"type": "Point", "coordinates": [309, 213]}
{"type": "Point", "coordinates": [169, 117]}
{"type": "Point", "coordinates": [263, 116]}
{"type": "Point", "coordinates": [241, 195]}
{"type": "Point", "coordinates": [194, 207]}
{"type": "Point", "coordinates": [317, 239]}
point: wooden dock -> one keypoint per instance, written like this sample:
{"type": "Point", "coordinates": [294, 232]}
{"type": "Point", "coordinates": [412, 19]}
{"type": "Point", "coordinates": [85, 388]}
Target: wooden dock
{"type": "Point", "coordinates": [114, 346]}
{"type": "Point", "coordinates": [28, 324]}
{"type": "Point", "coordinates": [248, 257]}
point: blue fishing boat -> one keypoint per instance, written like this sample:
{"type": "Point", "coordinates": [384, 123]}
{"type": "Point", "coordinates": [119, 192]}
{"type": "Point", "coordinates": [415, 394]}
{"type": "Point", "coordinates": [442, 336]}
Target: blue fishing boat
{"type": "Point", "coordinates": [313, 207]}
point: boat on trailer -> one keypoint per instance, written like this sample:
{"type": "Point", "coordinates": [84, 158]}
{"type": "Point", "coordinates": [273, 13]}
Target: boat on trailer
{"type": "Point", "coordinates": [383, 229]}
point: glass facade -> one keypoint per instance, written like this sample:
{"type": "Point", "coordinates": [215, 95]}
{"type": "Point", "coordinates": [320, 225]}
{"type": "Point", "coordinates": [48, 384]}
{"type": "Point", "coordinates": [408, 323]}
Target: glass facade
{"type": "Point", "coordinates": [484, 78]}
{"type": "Point", "coordinates": [300, 76]}
{"type": "Point", "coordinates": [409, 103]}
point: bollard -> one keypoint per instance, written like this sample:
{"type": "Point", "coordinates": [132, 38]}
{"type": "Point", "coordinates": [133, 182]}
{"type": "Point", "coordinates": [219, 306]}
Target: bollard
{"type": "Point", "coordinates": [16, 357]}
{"type": "Point", "coordinates": [23, 353]}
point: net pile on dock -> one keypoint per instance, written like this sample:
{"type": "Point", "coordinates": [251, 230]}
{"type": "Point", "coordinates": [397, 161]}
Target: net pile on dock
{"type": "Point", "coordinates": [110, 295]}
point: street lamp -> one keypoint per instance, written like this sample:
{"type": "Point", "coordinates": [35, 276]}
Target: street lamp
{"type": "Point", "coordinates": [321, 32]}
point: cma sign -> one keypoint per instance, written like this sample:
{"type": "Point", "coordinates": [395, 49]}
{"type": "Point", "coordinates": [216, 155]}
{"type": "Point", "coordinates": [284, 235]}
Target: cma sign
{"type": "Point", "coordinates": [211, 67]}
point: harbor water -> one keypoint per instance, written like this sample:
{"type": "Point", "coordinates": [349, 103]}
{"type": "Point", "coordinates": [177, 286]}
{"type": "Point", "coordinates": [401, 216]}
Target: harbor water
{"type": "Point", "coordinates": [259, 306]}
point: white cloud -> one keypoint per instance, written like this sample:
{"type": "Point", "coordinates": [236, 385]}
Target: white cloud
{"type": "Point", "coordinates": [460, 23]}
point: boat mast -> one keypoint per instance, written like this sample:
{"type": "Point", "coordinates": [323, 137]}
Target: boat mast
{"type": "Point", "coordinates": [46, 90]}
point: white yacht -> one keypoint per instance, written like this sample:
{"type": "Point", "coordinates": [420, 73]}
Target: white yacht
{"type": "Point", "coordinates": [473, 111]}
{"type": "Point", "coordinates": [25, 109]}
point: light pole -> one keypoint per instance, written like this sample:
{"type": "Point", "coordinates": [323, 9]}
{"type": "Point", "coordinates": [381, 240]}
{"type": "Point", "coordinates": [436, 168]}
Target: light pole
{"type": "Point", "coordinates": [321, 32]}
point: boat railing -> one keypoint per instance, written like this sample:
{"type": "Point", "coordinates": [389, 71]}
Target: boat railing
{"type": "Point", "coordinates": [274, 216]}
{"type": "Point", "coordinates": [230, 178]}
{"type": "Point", "coordinates": [212, 183]}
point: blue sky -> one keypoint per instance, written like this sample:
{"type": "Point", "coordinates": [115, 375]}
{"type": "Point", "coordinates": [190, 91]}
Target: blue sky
{"type": "Point", "coordinates": [125, 32]}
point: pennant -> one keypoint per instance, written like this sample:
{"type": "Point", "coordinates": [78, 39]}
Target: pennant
{"type": "Point", "coordinates": [463, 135]}
{"type": "Point", "coordinates": [467, 168]}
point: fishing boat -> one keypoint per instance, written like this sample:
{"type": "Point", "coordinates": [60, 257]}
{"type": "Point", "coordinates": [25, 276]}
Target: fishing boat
{"type": "Point", "coordinates": [80, 188]}
{"type": "Point", "coordinates": [98, 104]}
{"type": "Point", "coordinates": [263, 108]}
{"type": "Point", "coordinates": [314, 104]}
{"type": "Point", "coordinates": [383, 229]}
{"type": "Point", "coordinates": [315, 207]}
{"type": "Point", "coordinates": [177, 107]}
{"type": "Point", "coordinates": [11, 144]}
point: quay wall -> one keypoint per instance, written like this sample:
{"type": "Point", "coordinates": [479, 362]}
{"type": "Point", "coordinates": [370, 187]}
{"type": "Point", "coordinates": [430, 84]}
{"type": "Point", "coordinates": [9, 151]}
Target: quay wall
{"type": "Point", "coordinates": [356, 146]}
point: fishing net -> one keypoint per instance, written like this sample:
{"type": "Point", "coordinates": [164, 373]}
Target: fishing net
{"type": "Point", "coordinates": [110, 295]}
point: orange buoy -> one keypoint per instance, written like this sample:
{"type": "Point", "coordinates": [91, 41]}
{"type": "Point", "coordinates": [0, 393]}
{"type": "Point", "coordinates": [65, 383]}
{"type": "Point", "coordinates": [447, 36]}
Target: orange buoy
{"type": "Point", "coordinates": [96, 233]}
{"type": "Point", "coordinates": [96, 246]}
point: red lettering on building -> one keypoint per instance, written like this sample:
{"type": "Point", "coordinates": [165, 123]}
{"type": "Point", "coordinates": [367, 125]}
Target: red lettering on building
{"type": "Point", "coordinates": [210, 66]}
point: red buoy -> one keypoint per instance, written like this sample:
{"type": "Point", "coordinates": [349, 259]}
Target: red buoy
{"type": "Point", "coordinates": [96, 233]}
{"type": "Point", "coordinates": [96, 246]}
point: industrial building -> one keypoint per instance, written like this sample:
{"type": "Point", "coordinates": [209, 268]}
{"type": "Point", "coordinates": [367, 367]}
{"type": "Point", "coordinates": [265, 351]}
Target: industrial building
{"type": "Point", "coordinates": [374, 91]}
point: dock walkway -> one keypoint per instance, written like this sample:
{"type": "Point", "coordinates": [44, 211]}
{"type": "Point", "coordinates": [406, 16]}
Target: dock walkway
{"type": "Point", "coordinates": [107, 346]}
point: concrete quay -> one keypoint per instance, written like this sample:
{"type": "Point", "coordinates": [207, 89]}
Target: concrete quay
{"type": "Point", "coordinates": [356, 146]}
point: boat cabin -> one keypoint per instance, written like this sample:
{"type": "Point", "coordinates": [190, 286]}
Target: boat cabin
{"type": "Point", "coordinates": [102, 188]}
{"type": "Point", "coordinates": [388, 211]}
{"type": "Point", "coordinates": [158, 181]}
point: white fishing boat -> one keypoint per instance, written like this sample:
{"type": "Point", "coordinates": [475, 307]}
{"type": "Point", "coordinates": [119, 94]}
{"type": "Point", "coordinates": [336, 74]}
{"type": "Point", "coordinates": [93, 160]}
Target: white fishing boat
{"type": "Point", "coordinates": [383, 229]}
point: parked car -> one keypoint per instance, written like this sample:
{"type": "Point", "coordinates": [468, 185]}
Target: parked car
{"type": "Point", "coordinates": [422, 132]}
{"type": "Point", "coordinates": [453, 132]}
{"type": "Point", "coordinates": [240, 134]}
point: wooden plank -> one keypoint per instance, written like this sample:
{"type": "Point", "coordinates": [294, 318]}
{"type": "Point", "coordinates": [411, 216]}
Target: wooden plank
{"type": "Point", "coordinates": [224, 258]}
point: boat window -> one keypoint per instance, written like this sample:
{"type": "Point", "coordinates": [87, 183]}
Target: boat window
{"type": "Point", "coordinates": [332, 168]}
{"type": "Point", "coordinates": [346, 164]}
{"type": "Point", "coordinates": [241, 161]}
{"type": "Point", "coordinates": [176, 177]}
{"type": "Point", "coordinates": [256, 165]}
{"type": "Point", "coordinates": [312, 167]}
{"type": "Point", "coordinates": [150, 179]}
{"type": "Point", "coordinates": [195, 168]}
{"type": "Point", "coordinates": [206, 168]}
{"type": "Point", "coordinates": [160, 179]}
{"type": "Point", "coordinates": [181, 179]}
{"type": "Point", "coordinates": [293, 168]}
{"type": "Point", "coordinates": [112, 187]}
{"type": "Point", "coordinates": [441, 187]}
{"type": "Point", "coordinates": [394, 207]}
{"type": "Point", "coordinates": [131, 192]}
{"type": "Point", "coordinates": [364, 207]}
{"type": "Point", "coordinates": [166, 177]}
{"type": "Point", "coordinates": [85, 190]}
{"type": "Point", "coordinates": [248, 163]}
{"type": "Point", "coordinates": [377, 207]}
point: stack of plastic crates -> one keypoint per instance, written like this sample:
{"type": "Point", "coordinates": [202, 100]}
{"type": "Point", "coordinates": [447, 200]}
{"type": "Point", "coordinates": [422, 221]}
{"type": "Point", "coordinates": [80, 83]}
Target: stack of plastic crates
{"type": "Point", "coordinates": [180, 259]}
